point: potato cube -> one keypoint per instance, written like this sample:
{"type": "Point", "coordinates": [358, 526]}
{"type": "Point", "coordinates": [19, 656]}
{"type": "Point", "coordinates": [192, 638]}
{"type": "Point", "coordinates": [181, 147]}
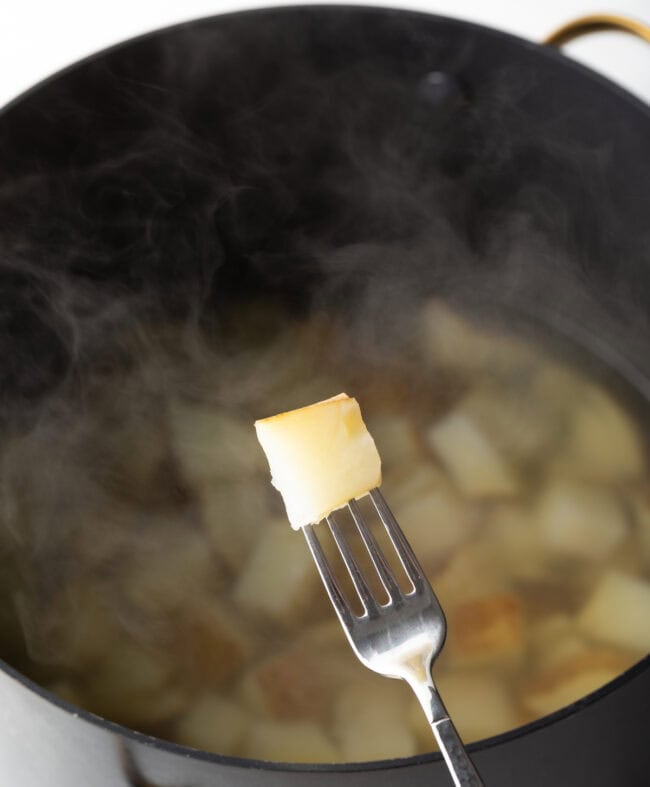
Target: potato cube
{"type": "Point", "coordinates": [290, 741]}
{"type": "Point", "coordinates": [511, 530]}
{"type": "Point", "coordinates": [78, 628]}
{"type": "Point", "coordinates": [471, 459]}
{"type": "Point", "coordinates": [210, 443]}
{"type": "Point", "coordinates": [452, 340]}
{"type": "Point", "coordinates": [212, 642]}
{"type": "Point", "coordinates": [522, 426]}
{"type": "Point", "coordinates": [320, 457]}
{"type": "Point", "coordinates": [279, 578]}
{"type": "Point", "coordinates": [471, 572]}
{"type": "Point", "coordinates": [580, 521]}
{"type": "Point", "coordinates": [604, 444]}
{"type": "Point", "coordinates": [213, 723]}
{"type": "Point", "coordinates": [396, 439]}
{"type": "Point", "coordinates": [571, 679]}
{"type": "Point", "coordinates": [488, 630]}
{"type": "Point", "coordinates": [291, 684]}
{"type": "Point", "coordinates": [133, 685]}
{"type": "Point", "coordinates": [480, 704]}
{"type": "Point", "coordinates": [555, 639]}
{"type": "Point", "coordinates": [171, 574]}
{"type": "Point", "coordinates": [402, 485]}
{"type": "Point", "coordinates": [618, 612]}
{"type": "Point", "coordinates": [436, 523]}
{"type": "Point", "coordinates": [234, 515]}
{"type": "Point", "coordinates": [371, 721]}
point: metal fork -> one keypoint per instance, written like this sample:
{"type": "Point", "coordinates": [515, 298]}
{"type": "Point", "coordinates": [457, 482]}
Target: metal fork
{"type": "Point", "coordinates": [400, 638]}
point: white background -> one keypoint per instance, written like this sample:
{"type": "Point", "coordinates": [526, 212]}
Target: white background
{"type": "Point", "coordinates": [39, 37]}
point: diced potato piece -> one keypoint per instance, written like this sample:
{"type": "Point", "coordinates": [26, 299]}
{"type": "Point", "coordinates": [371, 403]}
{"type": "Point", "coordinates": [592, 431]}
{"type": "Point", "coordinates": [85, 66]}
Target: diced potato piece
{"type": "Point", "coordinates": [480, 704]}
{"type": "Point", "coordinates": [618, 612]}
{"type": "Point", "coordinates": [489, 630]}
{"type": "Point", "coordinates": [571, 679]}
{"type": "Point", "coordinates": [138, 456]}
{"type": "Point", "coordinates": [396, 439]}
{"type": "Point", "coordinates": [290, 741]}
{"type": "Point", "coordinates": [580, 521]}
{"type": "Point", "coordinates": [436, 523]}
{"type": "Point", "coordinates": [212, 642]}
{"type": "Point", "coordinates": [511, 530]}
{"type": "Point", "coordinates": [234, 515]}
{"type": "Point", "coordinates": [604, 444]}
{"type": "Point", "coordinates": [458, 344]}
{"type": "Point", "coordinates": [78, 629]}
{"type": "Point", "coordinates": [403, 485]}
{"type": "Point", "coordinates": [211, 444]}
{"type": "Point", "coordinates": [472, 461]}
{"type": "Point", "coordinates": [214, 724]}
{"type": "Point", "coordinates": [472, 572]}
{"type": "Point", "coordinates": [279, 578]}
{"type": "Point", "coordinates": [371, 721]}
{"type": "Point", "coordinates": [133, 686]}
{"type": "Point", "coordinates": [523, 427]}
{"type": "Point", "coordinates": [554, 639]}
{"type": "Point", "coordinates": [291, 684]}
{"type": "Point", "coordinates": [172, 574]}
{"type": "Point", "coordinates": [320, 457]}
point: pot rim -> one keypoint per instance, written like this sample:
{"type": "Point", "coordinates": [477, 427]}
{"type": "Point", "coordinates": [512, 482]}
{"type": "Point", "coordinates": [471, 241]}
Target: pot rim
{"type": "Point", "coordinates": [542, 49]}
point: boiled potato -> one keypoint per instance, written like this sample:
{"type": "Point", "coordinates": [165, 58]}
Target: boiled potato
{"type": "Point", "coordinates": [320, 457]}
{"type": "Point", "coordinates": [290, 741]}
{"type": "Point", "coordinates": [134, 685]}
{"type": "Point", "coordinates": [554, 639]}
{"type": "Point", "coordinates": [618, 612]}
{"type": "Point", "coordinates": [472, 460]}
{"type": "Point", "coordinates": [603, 444]}
{"type": "Point", "coordinates": [396, 440]}
{"type": "Point", "coordinates": [456, 343]}
{"type": "Point", "coordinates": [487, 630]}
{"type": "Point", "coordinates": [291, 684]}
{"type": "Point", "coordinates": [213, 723]}
{"type": "Point", "coordinates": [436, 523]}
{"type": "Point", "coordinates": [371, 721]}
{"type": "Point", "coordinates": [279, 579]}
{"type": "Point", "coordinates": [572, 678]}
{"type": "Point", "coordinates": [471, 572]}
{"type": "Point", "coordinates": [210, 444]}
{"type": "Point", "coordinates": [580, 521]}
{"type": "Point", "coordinates": [212, 643]}
{"type": "Point", "coordinates": [481, 705]}
{"type": "Point", "coordinates": [512, 533]}
{"type": "Point", "coordinates": [234, 514]}
{"type": "Point", "coordinates": [78, 630]}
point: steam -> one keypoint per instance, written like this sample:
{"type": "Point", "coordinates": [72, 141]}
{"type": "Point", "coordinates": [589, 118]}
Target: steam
{"type": "Point", "coordinates": [177, 230]}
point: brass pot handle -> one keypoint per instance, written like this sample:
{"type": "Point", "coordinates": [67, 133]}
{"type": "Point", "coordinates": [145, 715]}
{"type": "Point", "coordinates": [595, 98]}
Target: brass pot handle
{"type": "Point", "coordinates": [596, 23]}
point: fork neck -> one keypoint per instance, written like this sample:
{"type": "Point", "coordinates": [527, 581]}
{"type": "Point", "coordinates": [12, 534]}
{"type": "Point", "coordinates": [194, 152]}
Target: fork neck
{"type": "Point", "coordinates": [421, 681]}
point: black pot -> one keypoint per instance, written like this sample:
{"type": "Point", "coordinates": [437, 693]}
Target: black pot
{"type": "Point", "coordinates": [238, 155]}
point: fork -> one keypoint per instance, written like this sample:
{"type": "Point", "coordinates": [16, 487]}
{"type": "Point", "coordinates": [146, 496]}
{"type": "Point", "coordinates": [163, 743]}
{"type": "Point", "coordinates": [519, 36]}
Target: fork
{"type": "Point", "coordinates": [400, 638]}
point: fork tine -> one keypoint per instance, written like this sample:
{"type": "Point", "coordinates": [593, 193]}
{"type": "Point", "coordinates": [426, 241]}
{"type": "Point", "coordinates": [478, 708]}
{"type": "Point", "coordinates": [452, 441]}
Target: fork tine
{"type": "Point", "coordinates": [379, 561]}
{"type": "Point", "coordinates": [356, 575]}
{"type": "Point", "coordinates": [402, 547]}
{"type": "Point", "coordinates": [329, 580]}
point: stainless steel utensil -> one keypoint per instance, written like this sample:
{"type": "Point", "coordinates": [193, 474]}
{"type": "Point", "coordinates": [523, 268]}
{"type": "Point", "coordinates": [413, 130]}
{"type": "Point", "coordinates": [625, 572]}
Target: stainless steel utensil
{"type": "Point", "coordinates": [400, 638]}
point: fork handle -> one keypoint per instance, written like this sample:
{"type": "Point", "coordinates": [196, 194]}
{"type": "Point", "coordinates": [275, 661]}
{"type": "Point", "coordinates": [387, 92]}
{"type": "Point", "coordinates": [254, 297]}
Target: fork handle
{"type": "Point", "coordinates": [458, 761]}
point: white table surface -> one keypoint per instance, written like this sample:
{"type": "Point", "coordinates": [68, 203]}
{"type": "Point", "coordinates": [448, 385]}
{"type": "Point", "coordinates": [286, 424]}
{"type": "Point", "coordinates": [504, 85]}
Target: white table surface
{"type": "Point", "coordinates": [39, 37]}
